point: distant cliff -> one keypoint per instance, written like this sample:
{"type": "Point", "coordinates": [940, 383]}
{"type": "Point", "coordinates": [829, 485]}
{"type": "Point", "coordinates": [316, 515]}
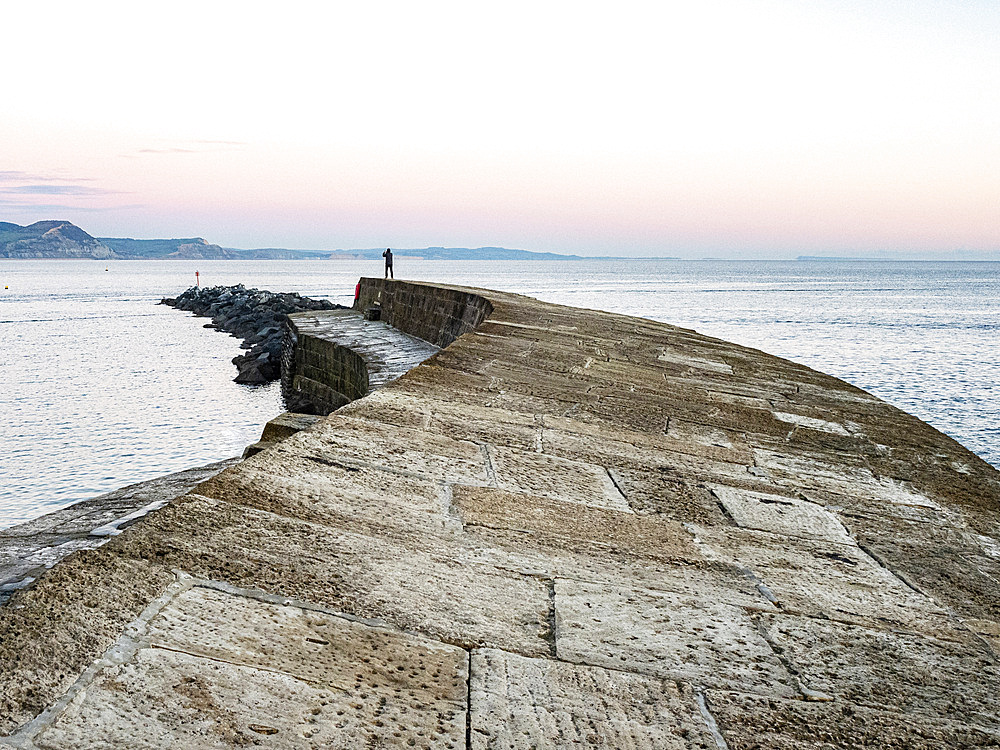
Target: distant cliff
{"type": "Point", "coordinates": [193, 248]}
{"type": "Point", "coordinates": [50, 239]}
{"type": "Point", "coordinates": [62, 239]}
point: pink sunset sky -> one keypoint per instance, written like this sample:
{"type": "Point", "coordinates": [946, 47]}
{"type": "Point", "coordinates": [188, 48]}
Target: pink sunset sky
{"type": "Point", "coordinates": [725, 128]}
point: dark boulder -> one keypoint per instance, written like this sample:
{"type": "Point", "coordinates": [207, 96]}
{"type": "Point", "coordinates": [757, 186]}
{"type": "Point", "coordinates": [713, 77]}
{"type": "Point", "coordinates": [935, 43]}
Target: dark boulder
{"type": "Point", "coordinates": [254, 315]}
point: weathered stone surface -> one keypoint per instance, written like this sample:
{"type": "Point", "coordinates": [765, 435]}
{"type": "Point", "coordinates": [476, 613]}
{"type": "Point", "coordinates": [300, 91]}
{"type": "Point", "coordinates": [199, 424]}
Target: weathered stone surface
{"type": "Point", "coordinates": [215, 669]}
{"type": "Point", "coordinates": [551, 476]}
{"type": "Point", "coordinates": [751, 722]}
{"type": "Point", "coordinates": [781, 515]}
{"type": "Point", "coordinates": [650, 537]}
{"type": "Point", "coordinates": [50, 637]}
{"type": "Point", "coordinates": [892, 670]}
{"type": "Point", "coordinates": [695, 635]}
{"type": "Point", "coordinates": [519, 702]}
{"type": "Point", "coordinates": [342, 495]}
{"type": "Point", "coordinates": [418, 583]}
{"type": "Point", "coordinates": [352, 441]}
{"type": "Point", "coordinates": [479, 424]}
{"type": "Point", "coordinates": [821, 579]}
{"type": "Point", "coordinates": [670, 494]}
{"type": "Point", "coordinates": [948, 563]}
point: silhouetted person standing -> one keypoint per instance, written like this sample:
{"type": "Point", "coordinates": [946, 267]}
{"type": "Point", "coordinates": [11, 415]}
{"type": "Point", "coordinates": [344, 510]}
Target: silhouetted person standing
{"type": "Point", "coordinates": [388, 263]}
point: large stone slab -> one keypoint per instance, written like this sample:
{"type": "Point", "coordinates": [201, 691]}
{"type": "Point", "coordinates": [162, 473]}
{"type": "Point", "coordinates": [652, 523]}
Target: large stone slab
{"type": "Point", "coordinates": [670, 494]}
{"type": "Point", "coordinates": [843, 474]}
{"type": "Point", "coordinates": [780, 514]}
{"type": "Point", "coordinates": [891, 670]}
{"type": "Point", "coordinates": [549, 476]}
{"type": "Point", "coordinates": [351, 440]}
{"type": "Point", "coordinates": [425, 583]}
{"type": "Point", "coordinates": [646, 536]}
{"type": "Point", "coordinates": [479, 424]}
{"type": "Point", "coordinates": [951, 564]}
{"type": "Point", "coordinates": [223, 670]}
{"type": "Point", "coordinates": [553, 556]}
{"type": "Point", "coordinates": [753, 722]}
{"type": "Point", "coordinates": [342, 495]}
{"type": "Point", "coordinates": [684, 358]}
{"type": "Point", "coordinates": [694, 636]}
{"type": "Point", "coordinates": [823, 579]}
{"type": "Point", "coordinates": [574, 438]}
{"type": "Point", "coordinates": [518, 702]}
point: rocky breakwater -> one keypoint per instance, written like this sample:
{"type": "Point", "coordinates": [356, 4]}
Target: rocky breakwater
{"type": "Point", "coordinates": [257, 316]}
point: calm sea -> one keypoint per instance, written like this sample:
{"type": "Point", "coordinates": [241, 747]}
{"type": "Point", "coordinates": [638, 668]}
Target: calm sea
{"type": "Point", "coordinates": [101, 387]}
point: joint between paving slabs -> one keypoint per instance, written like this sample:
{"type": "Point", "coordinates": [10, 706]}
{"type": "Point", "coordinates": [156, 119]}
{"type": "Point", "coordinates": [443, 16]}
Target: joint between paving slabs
{"type": "Point", "coordinates": [120, 651]}
{"type": "Point", "coordinates": [725, 511]}
{"type": "Point", "coordinates": [878, 558]}
{"type": "Point", "coordinates": [355, 465]}
{"type": "Point", "coordinates": [615, 483]}
{"type": "Point", "coordinates": [806, 693]}
{"type": "Point", "coordinates": [540, 435]}
{"type": "Point", "coordinates": [553, 633]}
{"type": "Point", "coordinates": [447, 494]}
{"type": "Point", "coordinates": [954, 618]}
{"type": "Point", "coordinates": [468, 702]}
{"type": "Point", "coordinates": [491, 475]}
{"type": "Point", "coordinates": [761, 587]}
{"type": "Point", "coordinates": [709, 719]}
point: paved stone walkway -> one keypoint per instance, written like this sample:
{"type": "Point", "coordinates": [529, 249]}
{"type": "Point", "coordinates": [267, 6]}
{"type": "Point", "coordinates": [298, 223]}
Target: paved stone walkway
{"type": "Point", "coordinates": [565, 529]}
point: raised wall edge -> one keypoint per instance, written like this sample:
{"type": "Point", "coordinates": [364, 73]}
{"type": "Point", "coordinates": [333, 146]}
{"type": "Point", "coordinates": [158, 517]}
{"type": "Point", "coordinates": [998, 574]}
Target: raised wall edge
{"type": "Point", "coordinates": [318, 375]}
{"type": "Point", "coordinates": [436, 314]}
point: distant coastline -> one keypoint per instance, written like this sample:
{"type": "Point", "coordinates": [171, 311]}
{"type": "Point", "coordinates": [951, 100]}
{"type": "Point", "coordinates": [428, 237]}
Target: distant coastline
{"type": "Point", "coordinates": [62, 239]}
{"type": "Point", "coordinates": [884, 259]}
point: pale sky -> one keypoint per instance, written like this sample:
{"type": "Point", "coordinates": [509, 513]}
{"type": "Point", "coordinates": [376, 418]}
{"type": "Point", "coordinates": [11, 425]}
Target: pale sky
{"type": "Point", "coordinates": [710, 128]}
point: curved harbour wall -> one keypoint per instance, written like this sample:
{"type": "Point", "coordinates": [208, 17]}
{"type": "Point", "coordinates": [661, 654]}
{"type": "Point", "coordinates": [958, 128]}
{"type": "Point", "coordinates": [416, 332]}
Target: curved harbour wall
{"type": "Point", "coordinates": [437, 314]}
{"type": "Point", "coordinates": [328, 361]}
{"type": "Point", "coordinates": [318, 374]}
{"type": "Point", "coordinates": [564, 527]}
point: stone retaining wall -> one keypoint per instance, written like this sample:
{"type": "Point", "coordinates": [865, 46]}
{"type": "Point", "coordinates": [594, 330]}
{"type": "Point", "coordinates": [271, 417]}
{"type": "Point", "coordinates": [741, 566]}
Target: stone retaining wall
{"type": "Point", "coordinates": [330, 358]}
{"type": "Point", "coordinates": [433, 313]}
{"type": "Point", "coordinates": [319, 374]}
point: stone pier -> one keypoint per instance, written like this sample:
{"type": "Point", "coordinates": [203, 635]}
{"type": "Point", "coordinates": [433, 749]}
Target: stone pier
{"type": "Point", "coordinates": [565, 528]}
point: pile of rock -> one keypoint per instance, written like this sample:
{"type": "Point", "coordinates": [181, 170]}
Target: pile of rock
{"type": "Point", "coordinates": [257, 316]}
